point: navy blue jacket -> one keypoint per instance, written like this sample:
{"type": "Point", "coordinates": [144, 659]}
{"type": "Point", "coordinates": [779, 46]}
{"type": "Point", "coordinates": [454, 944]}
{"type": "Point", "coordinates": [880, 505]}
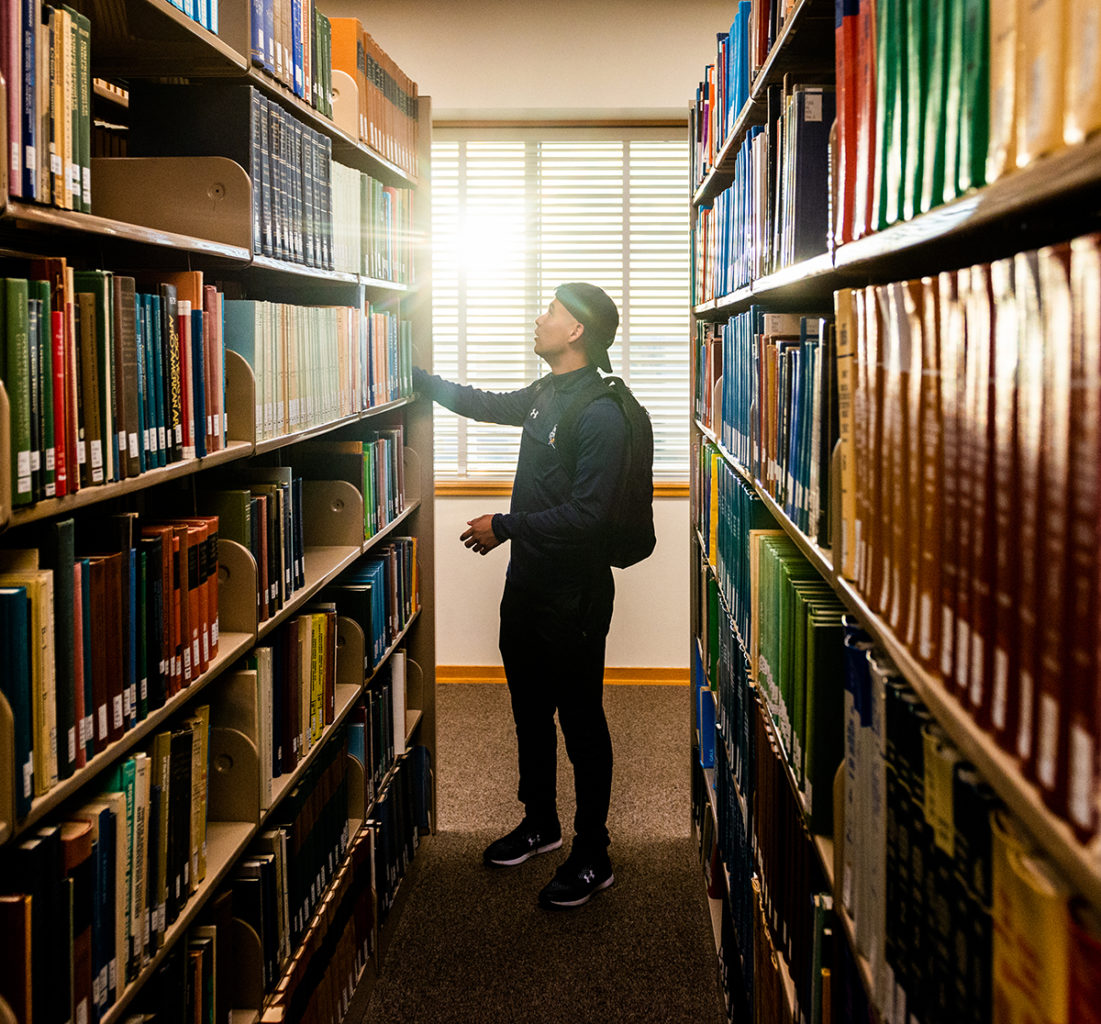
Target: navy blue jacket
{"type": "Point", "coordinates": [557, 525]}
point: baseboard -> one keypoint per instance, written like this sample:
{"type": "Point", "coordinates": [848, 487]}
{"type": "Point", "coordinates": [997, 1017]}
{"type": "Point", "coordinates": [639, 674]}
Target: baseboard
{"type": "Point", "coordinates": [612, 676]}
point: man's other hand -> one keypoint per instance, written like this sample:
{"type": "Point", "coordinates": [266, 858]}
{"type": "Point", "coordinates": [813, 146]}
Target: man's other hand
{"type": "Point", "coordinates": [480, 537]}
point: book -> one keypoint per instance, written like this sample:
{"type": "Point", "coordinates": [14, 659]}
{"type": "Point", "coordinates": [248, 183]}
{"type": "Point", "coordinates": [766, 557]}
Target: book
{"type": "Point", "coordinates": [1041, 49]}
{"type": "Point", "coordinates": [17, 380]}
{"type": "Point", "coordinates": [16, 986]}
{"type": "Point", "coordinates": [16, 685]}
{"type": "Point", "coordinates": [76, 844]}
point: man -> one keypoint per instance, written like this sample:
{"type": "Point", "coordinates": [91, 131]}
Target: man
{"type": "Point", "coordinates": [557, 602]}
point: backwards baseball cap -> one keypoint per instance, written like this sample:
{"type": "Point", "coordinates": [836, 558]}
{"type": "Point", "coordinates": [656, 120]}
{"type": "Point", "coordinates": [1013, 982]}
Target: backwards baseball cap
{"type": "Point", "coordinates": [597, 313]}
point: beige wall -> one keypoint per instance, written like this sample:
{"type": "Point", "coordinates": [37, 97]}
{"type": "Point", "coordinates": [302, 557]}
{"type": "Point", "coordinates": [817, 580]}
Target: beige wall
{"type": "Point", "coordinates": [650, 623]}
{"type": "Point", "coordinates": [562, 59]}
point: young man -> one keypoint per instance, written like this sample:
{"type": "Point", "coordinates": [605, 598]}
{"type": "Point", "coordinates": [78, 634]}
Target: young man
{"type": "Point", "coordinates": [557, 602]}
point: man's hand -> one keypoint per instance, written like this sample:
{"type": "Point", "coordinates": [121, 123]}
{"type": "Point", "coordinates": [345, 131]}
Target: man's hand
{"type": "Point", "coordinates": [480, 538]}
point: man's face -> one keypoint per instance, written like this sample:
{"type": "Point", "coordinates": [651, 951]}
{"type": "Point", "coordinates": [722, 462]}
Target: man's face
{"type": "Point", "coordinates": [555, 331]}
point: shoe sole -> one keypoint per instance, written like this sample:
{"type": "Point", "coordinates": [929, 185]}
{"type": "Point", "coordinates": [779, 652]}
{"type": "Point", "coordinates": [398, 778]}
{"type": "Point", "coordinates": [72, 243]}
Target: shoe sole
{"type": "Point", "coordinates": [568, 904]}
{"type": "Point", "coordinates": [545, 848]}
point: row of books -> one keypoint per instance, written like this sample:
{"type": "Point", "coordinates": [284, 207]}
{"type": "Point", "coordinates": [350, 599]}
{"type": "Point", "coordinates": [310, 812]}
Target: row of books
{"type": "Point", "coordinates": [86, 902]}
{"type": "Point", "coordinates": [373, 226]}
{"type": "Point", "coordinates": [283, 696]}
{"type": "Point", "coordinates": [776, 210]}
{"type": "Point", "coordinates": [46, 62]}
{"type": "Point", "coordinates": [292, 41]}
{"type": "Point", "coordinates": [380, 593]}
{"type": "Point", "coordinates": [766, 385]}
{"type": "Point", "coordinates": [279, 883]}
{"type": "Point", "coordinates": [959, 914]}
{"type": "Point", "coordinates": [315, 364]}
{"type": "Point", "coordinates": [318, 983]}
{"type": "Point", "coordinates": [795, 656]}
{"type": "Point", "coordinates": [721, 96]}
{"type": "Point", "coordinates": [403, 813]}
{"type": "Point", "coordinates": [288, 163]}
{"type": "Point", "coordinates": [375, 465]}
{"type": "Point", "coordinates": [260, 508]}
{"type": "Point", "coordinates": [192, 982]}
{"type": "Point", "coordinates": [388, 105]}
{"type": "Point", "coordinates": [966, 462]}
{"type": "Point", "coordinates": [108, 375]}
{"type": "Point", "coordinates": [377, 726]}
{"type": "Point", "coordinates": [205, 12]}
{"type": "Point", "coordinates": [102, 626]}
{"type": "Point", "coordinates": [937, 99]}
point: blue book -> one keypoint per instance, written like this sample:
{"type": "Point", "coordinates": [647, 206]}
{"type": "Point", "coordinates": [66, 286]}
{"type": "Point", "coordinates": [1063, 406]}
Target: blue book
{"type": "Point", "coordinates": [15, 684]}
{"type": "Point", "coordinates": [297, 63]}
{"type": "Point", "coordinates": [143, 384]}
{"type": "Point", "coordinates": [198, 381]}
{"type": "Point", "coordinates": [705, 719]}
{"type": "Point", "coordinates": [157, 345]}
{"type": "Point", "coordinates": [31, 147]}
{"type": "Point", "coordinates": [269, 35]}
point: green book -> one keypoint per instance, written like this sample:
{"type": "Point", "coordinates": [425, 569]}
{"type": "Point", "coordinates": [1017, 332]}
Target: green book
{"type": "Point", "coordinates": [886, 93]}
{"type": "Point", "coordinates": [975, 95]}
{"type": "Point", "coordinates": [84, 108]}
{"type": "Point", "coordinates": [98, 284]}
{"type": "Point", "coordinates": [233, 507]}
{"type": "Point", "coordinates": [932, 131]}
{"type": "Point", "coordinates": [953, 94]}
{"type": "Point", "coordinates": [897, 54]}
{"type": "Point", "coordinates": [825, 717]}
{"type": "Point", "coordinates": [17, 363]}
{"type": "Point", "coordinates": [122, 780]}
{"type": "Point", "coordinates": [918, 70]}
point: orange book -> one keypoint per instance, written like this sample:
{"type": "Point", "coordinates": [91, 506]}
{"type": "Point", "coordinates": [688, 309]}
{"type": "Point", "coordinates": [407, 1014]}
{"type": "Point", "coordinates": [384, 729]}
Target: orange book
{"type": "Point", "coordinates": [1084, 537]}
{"type": "Point", "coordinates": [865, 127]}
{"type": "Point", "coordinates": [347, 56]}
{"type": "Point", "coordinates": [847, 58]}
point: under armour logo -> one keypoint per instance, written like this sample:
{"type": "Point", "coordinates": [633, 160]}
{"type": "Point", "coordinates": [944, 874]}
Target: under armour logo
{"type": "Point", "coordinates": [534, 413]}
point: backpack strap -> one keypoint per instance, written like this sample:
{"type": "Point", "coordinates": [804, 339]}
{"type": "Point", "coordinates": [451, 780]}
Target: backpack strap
{"type": "Point", "coordinates": [565, 434]}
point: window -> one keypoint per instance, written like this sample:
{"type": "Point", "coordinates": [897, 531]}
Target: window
{"type": "Point", "coordinates": [516, 212]}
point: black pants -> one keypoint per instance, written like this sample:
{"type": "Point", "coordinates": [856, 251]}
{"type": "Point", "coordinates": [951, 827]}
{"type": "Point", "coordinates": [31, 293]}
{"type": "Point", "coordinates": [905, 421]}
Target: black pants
{"type": "Point", "coordinates": [552, 646]}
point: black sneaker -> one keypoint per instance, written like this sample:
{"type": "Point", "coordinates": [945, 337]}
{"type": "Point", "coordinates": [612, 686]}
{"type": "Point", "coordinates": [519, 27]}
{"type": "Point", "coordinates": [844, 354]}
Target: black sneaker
{"type": "Point", "coordinates": [579, 876]}
{"type": "Point", "coordinates": [522, 842]}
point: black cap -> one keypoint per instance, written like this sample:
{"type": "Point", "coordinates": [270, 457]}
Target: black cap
{"type": "Point", "coordinates": [597, 313]}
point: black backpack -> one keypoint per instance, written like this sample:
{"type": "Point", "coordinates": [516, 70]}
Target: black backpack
{"type": "Point", "coordinates": [632, 535]}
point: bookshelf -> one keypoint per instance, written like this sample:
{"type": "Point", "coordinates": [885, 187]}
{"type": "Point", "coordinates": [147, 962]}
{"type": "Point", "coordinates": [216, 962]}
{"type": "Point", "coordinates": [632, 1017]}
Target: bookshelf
{"type": "Point", "coordinates": [167, 213]}
{"type": "Point", "coordinates": [1049, 201]}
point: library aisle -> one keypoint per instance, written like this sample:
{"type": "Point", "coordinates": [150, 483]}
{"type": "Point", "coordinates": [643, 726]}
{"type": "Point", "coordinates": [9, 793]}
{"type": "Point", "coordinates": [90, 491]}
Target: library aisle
{"type": "Point", "coordinates": [472, 945]}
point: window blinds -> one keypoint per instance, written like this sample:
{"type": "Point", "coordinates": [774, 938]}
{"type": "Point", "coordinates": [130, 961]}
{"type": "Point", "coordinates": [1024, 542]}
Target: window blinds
{"type": "Point", "coordinates": [515, 212]}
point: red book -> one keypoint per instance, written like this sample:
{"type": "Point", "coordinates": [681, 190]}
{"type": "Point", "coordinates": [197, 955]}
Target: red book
{"type": "Point", "coordinates": [1055, 626]}
{"type": "Point", "coordinates": [980, 339]}
{"type": "Point", "coordinates": [846, 21]}
{"type": "Point", "coordinates": [61, 463]}
{"type": "Point", "coordinates": [864, 113]}
{"type": "Point", "coordinates": [1006, 496]}
{"type": "Point", "coordinates": [1031, 500]}
{"type": "Point", "coordinates": [1084, 537]}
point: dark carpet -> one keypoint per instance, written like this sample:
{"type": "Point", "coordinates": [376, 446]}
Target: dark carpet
{"type": "Point", "coordinates": [472, 945]}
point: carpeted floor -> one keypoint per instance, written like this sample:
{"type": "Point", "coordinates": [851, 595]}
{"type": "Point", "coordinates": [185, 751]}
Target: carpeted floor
{"type": "Point", "coordinates": [473, 947]}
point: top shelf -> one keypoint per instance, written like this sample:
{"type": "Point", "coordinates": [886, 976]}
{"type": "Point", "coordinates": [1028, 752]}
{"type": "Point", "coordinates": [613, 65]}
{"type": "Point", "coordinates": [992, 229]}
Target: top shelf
{"type": "Point", "coordinates": [154, 39]}
{"type": "Point", "coordinates": [799, 45]}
